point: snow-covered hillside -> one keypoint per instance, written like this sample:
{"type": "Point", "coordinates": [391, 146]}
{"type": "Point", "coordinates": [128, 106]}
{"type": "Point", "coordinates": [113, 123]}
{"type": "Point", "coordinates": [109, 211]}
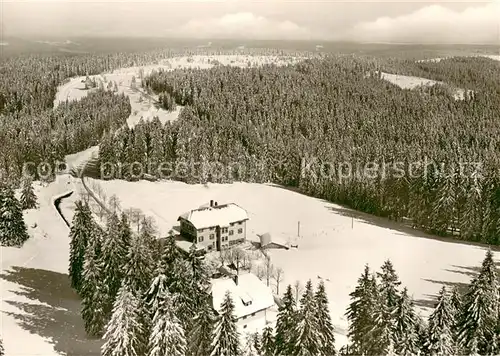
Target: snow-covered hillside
{"type": "Point", "coordinates": [332, 244]}
{"type": "Point", "coordinates": [40, 314]}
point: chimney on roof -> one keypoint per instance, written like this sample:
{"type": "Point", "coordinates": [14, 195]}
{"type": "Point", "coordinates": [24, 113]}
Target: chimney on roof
{"type": "Point", "coordinates": [211, 203]}
{"type": "Point", "coordinates": [215, 203]}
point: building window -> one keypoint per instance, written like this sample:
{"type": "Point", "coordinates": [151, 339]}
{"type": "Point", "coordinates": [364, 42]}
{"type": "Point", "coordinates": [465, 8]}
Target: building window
{"type": "Point", "coordinates": [240, 231]}
{"type": "Point", "coordinates": [231, 232]}
{"type": "Point", "coordinates": [212, 236]}
{"type": "Point", "coordinates": [200, 239]}
{"type": "Point", "coordinates": [253, 314]}
{"type": "Point", "coordinates": [244, 326]}
{"type": "Point", "coordinates": [224, 230]}
{"type": "Point", "coordinates": [209, 248]}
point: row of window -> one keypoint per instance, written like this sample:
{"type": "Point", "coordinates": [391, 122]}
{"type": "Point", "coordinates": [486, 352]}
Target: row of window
{"type": "Point", "coordinates": [223, 230]}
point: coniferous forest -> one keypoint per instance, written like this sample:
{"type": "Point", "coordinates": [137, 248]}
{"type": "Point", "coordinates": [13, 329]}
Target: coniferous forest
{"type": "Point", "coordinates": [317, 125]}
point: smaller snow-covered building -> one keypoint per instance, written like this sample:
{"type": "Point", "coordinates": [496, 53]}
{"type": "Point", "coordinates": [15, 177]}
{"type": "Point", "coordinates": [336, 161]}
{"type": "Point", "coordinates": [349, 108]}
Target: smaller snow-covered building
{"type": "Point", "coordinates": [268, 241]}
{"type": "Point", "coordinates": [252, 300]}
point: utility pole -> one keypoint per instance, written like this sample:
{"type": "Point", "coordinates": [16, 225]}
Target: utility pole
{"type": "Point", "coordinates": [352, 222]}
{"type": "Point", "coordinates": [298, 229]}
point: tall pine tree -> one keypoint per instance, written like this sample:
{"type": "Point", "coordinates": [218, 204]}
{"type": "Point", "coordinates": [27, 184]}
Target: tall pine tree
{"type": "Point", "coordinates": [325, 325]}
{"type": "Point", "coordinates": [406, 340]}
{"type": "Point", "coordinates": [167, 336]}
{"type": "Point", "coordinates": [267, 342]}
{"type": "Point", "coordinates": [306, 333]}
{"type": "Point", "coordinates": [123, 331]}
{"type": "Point", "coordinates": [287, 317]}
{"type": "Point", "coordinates": [200, 335]}
{"type": "Point", "coordinates": [440, 340]}
{"type": "Point", "coordinates": [361, 312]}
{"type": "Point", "coordinates": [80, 234]}
{"type": "Point", "coordinates": [94, 291]}
{"type": "Point", "coordinates": [28, 197]}
{"type": "Point", "coordinates": [13, 230]}
{"type": "Point", "coordinates": [226, 338]}
{"type": "Point", "coordinates": [114, 254]}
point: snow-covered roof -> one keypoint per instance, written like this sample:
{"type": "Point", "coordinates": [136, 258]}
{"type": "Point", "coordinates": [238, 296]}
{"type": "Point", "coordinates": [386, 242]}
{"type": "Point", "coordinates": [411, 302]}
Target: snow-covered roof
{"type": "Point", "coordinates": [249, 296]}
{"type": "Point", "coordinates": [267, 238]}
{"type": "Point", "coordinates": [220, 215]}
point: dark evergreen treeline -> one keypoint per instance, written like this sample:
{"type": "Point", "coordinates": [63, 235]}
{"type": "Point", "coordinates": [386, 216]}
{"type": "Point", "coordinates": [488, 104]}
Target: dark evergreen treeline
{"type": "Point", "coordinates": [383, 321]}
{"type": "Point", "coordinates": [319, 124]}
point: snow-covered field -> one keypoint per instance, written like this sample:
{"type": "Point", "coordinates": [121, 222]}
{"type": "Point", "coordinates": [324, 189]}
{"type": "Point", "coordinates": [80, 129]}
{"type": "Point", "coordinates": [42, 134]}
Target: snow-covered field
{"type": "Point", "coordinates": [329, 248]}
{"type": "Point", "coordinates": [142, 106]}
{"type": "Point", "coordinates": [409, 82]}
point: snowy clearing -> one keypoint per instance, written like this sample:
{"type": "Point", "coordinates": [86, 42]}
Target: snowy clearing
{"type": "Point", "coordinates": [328, 246]}
{"type": "Point", "coordinates": [142, 105]}
{"type": "Point", "coordinates": [409, 82]}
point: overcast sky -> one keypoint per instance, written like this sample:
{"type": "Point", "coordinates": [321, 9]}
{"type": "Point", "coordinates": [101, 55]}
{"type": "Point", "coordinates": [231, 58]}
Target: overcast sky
{"type": "Point", "coordinates": [368, 21]}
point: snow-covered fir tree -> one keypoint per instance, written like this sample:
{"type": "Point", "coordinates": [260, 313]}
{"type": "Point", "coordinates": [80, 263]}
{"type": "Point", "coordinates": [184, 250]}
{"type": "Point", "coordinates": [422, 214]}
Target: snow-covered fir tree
{"type": "Point", "coordinates": [13, 230]}
{"type": "Point", "coordinates": [361, 312]}
{"type": "Point", "coordinates": [287, 317]}
{"type": "Point", "coordinates": [170, 250]}
{"type": "Point", "coordinates": [440, 340]}
{"type": "Point", "coordinates": [167, 336]}
{"type": "Point", "coordinates": [455, 300]}
{"type": "Point", "coordinates": [325, 325]}
{"type": "Point", "coordinates": [80, 234]}
{"type": "Point", "coordinates": [406, 340]}
{"type": "Point", "coordinates": [201, 332]}
{"type": "Point", "coordinates": [123, 331]}
{"type": "Point", "coordinates": [456, 305]}
{"type": "Point", "coordinates": [267, 342]}
{"type": "Point", "coordinates": [257, 342]}
{"type": "Point", "coordinates": [389, 283]}
{"type": "Point", "coordinates": [114, 254]}
{"type": "Point", "coordinates": [125, 233]}
{"type": "Point", "coordinates": [185, 296]}
{"type": "Point", "coordinates": [381, 334]}
{"type": "Point", "coordinates": [200, 280]}
{"type": "Point", "coordinates": [2, 352]}
{"type": "Point", "coordinates": [226, 338]}
{"type": "Point", "coordinates": [250, 348]}
{"type": "Point", "coordinates": [139, 265]}
{"type": "Point", "coordinates": [156, 291]}
{"type": "Point", "coordinates": [477, 318]}
{"type": "Point", "coordinates": [305, 333]}
{"type": "Point", "coordinates": [94, 291]}
{"type": "Point", "coordinates": [28, 198]}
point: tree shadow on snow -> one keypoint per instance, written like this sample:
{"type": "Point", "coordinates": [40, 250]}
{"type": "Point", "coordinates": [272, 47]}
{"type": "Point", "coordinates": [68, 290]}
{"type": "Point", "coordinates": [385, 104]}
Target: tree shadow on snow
{"type": "Point", "coordinates": [471, 272]}
{"type": "Point", "coordinates": [59, 318]}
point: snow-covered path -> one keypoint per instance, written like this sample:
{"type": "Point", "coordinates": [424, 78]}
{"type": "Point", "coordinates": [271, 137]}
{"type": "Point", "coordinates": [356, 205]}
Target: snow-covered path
{"type": "Point", "coordinates": [40, 313]}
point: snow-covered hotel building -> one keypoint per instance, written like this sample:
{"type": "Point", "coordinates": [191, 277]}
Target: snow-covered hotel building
{"type": "Point", "coordinates": [215, 227]}
{"type": "Point", "coordinates": [253, 300]}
